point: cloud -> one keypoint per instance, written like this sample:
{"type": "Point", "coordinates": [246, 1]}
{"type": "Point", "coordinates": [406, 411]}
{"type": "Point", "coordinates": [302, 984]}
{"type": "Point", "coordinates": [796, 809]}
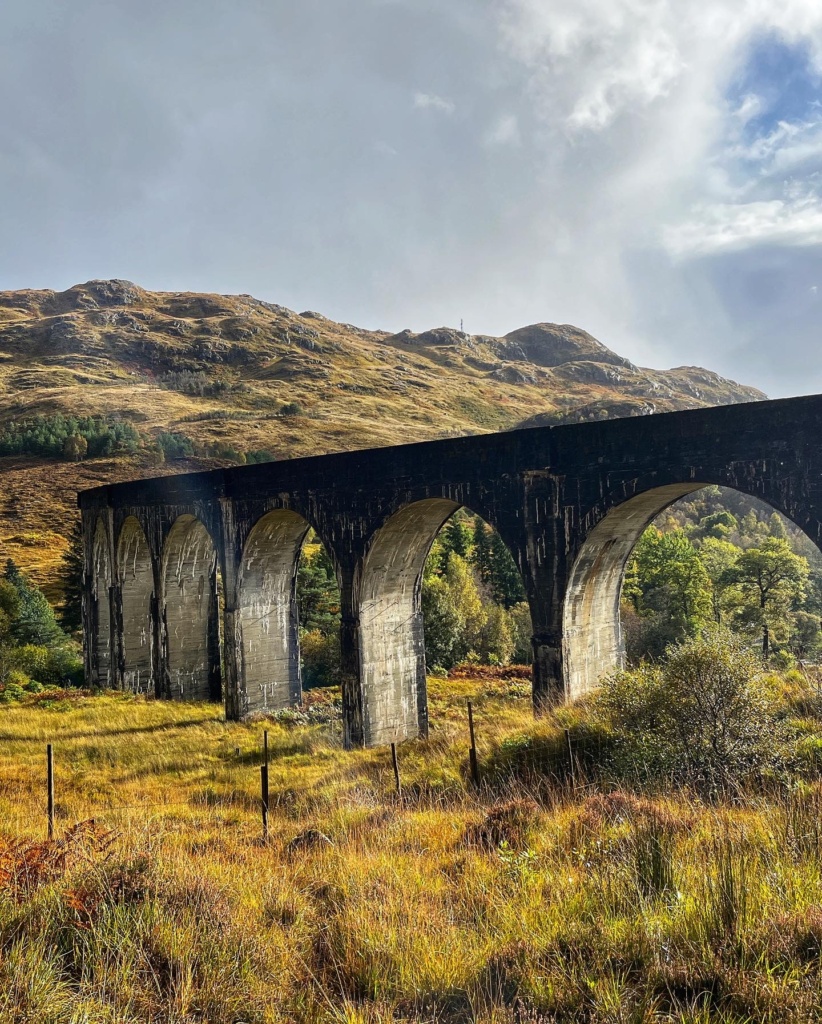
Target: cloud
{"type": "Point", "coordinates": [733, 227]}
{"type": "Point", "coordinates": [504, 132]}
{"type": "Point", "coordinates": [430, 101]}
{"type": "Point", "coordinates": [650, 170]}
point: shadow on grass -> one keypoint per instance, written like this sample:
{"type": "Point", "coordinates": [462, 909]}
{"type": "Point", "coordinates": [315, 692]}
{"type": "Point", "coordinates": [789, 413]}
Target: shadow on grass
{"type": "Point", "coordinates": [127, 731]}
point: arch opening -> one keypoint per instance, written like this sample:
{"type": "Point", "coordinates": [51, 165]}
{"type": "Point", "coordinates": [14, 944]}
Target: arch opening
{"type": "Point", "coordinates": [319, 606]}
{"type": "Point", "coordinates": [594, 634]}
{"type": "Point", "coordinates": [136, 578]}
{"type": "Point", "coordinates": [190, 613]}
{"type": "Point", "coordinates": [101, 608]}
{"type": "Point", "coordinates": [401, 595]}
{"type": "Point", "coordinates": [267, 613]}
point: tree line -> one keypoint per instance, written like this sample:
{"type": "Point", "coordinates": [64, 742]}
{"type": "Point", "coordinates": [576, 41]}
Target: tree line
{"type": "Point", "coordinates": [722, 558]}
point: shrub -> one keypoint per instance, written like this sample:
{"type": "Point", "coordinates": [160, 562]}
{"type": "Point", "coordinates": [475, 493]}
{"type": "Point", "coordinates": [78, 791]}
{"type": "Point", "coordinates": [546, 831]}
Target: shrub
{"type": "Point", "coordinates": [320, 658]}
{"type": "Point", "coordinates": [291, 409]}
{"type": "Point", "coordinates": [706, 717]}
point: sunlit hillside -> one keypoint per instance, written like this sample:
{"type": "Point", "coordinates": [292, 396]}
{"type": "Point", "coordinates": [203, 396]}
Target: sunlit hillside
{"type": "Point", "coordinates": [219, 379]}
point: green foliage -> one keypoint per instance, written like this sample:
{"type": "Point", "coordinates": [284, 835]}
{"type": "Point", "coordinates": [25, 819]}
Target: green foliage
{"type": "Point", "coordinates": [71, 617]}
{"type": "Point", "coordinates": [773, 580]}
{"type": "Point", "coordinates": [738, 568]}
{"type": "Point", "coordinates": [456, 535]}
{"type": "Point", "coordinates": [69, 437]}
{"type": "Point", "coordinates": [32, 644]}
{"type": "Point", "coordinates": [504, 578]}
{"type": "Point", "coordinates": [175, 445]}
{"type": "Point", "coordinates": [318, 599]}
{"type": "Point", "coordinates": [259, 455]}
{"type": "Point", "coordinates": [481, 551]}
{"type": "Point", "coordinates": [291, 409]}
{"type": "Point", "coordinates": [320, 658]}
{"type": "Point", "coordinates": [705, 717]}
{"type": "Point", "coordinates": [462, 619]}
{"type": "Point", "coordinates": [669, 589]}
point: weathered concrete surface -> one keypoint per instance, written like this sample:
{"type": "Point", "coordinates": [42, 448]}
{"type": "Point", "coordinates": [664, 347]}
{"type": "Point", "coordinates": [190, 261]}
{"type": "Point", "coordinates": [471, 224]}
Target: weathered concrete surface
{"type": "Point", "coordinates": [189, 578]}
{"type": "Point", "coordinates": [135, 577]}
{"type": "Point", "coordinates": [267, 607]}
{"type": "Point", "coordinates": [569, 502]}
{"type": "Point", "coordinates": [99, 616]}
{"type": "Point", "coordinates": [392, 645]}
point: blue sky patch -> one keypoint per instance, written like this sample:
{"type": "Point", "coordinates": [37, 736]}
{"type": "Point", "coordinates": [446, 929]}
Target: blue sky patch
{"type": "Point", "coordinates": [783, 76]}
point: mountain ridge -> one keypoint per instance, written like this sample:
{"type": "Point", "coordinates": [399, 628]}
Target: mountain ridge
{"type": "Point", "coordinates": [238, 377]}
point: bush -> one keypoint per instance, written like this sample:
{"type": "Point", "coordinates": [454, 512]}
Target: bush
{"type": "Point", "coordinates": [320, 658]}
{"type": "Point", "coordinates": [706, 717]}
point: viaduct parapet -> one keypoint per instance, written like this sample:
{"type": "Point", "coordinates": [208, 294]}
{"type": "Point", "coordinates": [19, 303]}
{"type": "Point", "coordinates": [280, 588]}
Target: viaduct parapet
{"type": "Point", "coordinates": [570, 502]}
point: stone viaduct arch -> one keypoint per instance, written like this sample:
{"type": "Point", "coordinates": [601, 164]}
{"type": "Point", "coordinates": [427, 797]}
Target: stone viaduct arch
{"type": "Point", "coordinates": [568, 501]}
{"type": "Point", "coordinates": [190, 630]}
{"type": "Point", "coordinates": [135, 578]}
{"type": "Point", "coordinates": [268, 624]}
{"type": "Point", "coordinates": [99, 614]}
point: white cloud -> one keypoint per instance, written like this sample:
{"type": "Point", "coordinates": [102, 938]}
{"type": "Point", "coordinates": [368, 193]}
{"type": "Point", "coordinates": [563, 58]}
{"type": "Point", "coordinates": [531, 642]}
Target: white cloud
{"type": "Point", "coordinates": [733, 227]}
{"type": "Point", "coordinates": [503, 132]}
{"type": "Point", "coordinates": [430, 101]}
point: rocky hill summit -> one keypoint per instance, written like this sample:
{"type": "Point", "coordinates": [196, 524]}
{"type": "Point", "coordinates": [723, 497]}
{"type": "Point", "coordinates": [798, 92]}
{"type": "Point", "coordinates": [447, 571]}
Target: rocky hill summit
{"type": "Point", "coordinates": [198, 380]}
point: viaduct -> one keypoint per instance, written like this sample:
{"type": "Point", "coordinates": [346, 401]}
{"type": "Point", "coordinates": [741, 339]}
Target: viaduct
{"type": "Point", "coordinates": [570, 502]}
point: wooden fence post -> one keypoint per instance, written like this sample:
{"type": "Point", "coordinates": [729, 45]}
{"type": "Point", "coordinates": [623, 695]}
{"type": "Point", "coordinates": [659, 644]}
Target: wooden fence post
{"type": "Point", "coordinates": [50, 786]}
{"type": "Point", "coordinates": [472, 756]}
{"type": "Point", "coordinates": [264, 786]}
{"type": "Point", "coordinates": [396, 765]}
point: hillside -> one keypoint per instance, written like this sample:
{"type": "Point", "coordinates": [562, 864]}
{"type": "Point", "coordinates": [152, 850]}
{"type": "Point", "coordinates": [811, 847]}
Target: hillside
{"type": "Point", "coordinates": [236, 377]}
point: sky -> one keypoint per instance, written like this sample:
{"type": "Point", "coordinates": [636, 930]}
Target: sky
{"type": "Point", "coordinates": [648, 170]}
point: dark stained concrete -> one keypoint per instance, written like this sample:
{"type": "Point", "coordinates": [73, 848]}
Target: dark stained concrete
{"type": "Point", "coordinates": [570, 503]}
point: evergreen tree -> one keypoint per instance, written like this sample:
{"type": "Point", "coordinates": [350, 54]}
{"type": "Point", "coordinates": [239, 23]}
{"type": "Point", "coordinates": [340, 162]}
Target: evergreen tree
{"type": "Point", "coordinates": [504, 577]}
{"type": "Point", "coordinates": [456, 536]}
{"type": "Point", "coordinates": [773, 579]}
{"type": "Point", "coordinates": [318, 593]}
{"type": "Point", "coordinates": [73, 571]}
{"type": "Point", "coordinates": [481, 554]}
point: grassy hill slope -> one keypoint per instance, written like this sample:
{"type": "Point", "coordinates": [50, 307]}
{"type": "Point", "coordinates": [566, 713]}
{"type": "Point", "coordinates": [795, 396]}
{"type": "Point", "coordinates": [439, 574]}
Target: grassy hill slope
{"type": "Point", "coordinates": [237, 375]}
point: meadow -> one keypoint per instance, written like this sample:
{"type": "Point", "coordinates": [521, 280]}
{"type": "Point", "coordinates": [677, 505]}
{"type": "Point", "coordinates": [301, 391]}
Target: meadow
{"type": "Point", "coordinates": [541, 895]}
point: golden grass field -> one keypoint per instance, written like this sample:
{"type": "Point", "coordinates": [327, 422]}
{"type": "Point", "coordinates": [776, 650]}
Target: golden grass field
{"type": "Point", "coordinates": [534, 898]}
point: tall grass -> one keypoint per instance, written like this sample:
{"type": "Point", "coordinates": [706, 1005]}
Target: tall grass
{"type": "Point", "coordinates": [517, 901]}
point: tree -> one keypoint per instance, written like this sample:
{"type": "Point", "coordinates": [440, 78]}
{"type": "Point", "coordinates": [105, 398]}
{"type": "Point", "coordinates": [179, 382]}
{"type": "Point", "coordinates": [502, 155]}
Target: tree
{"type": "Point", "coordinates": [669, 589]}
{"type": "Point", "coordinates": [456, 536]}
{"type": "Point", "coordinates": [481, 554]}
{"type": "Point", "coordinates": [75, 447]}
{"type": "Point", "coordinates": [705, 716]}
{"type": "Point", "coordinates": [318, 592]}
{"type": "Point", "coordinates": [773, 579]}
{"type": "Point", "coordinates": [453, 612]}
{"type": "Point", "coordinates": [504, 577]}
{"type": "Point", "coordinates": [73, 571]}
{"type": "Point", "coordinates": [718, 556]}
